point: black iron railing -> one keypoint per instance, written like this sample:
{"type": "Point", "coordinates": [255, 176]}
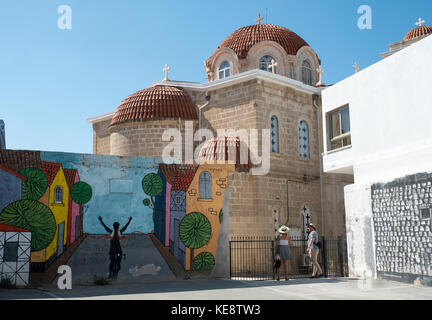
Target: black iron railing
{"type": "Point", "coordinates": [251, 258]}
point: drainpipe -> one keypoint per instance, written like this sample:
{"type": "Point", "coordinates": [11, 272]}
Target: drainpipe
{"type": "Point", "coordinates": [315, 98]}
{"type": "Point", "coordinates": [207, 97]}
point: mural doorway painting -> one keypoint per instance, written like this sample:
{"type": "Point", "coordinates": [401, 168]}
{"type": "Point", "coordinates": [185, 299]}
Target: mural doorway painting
{"type": "Point", "coordinates": [61, 229]}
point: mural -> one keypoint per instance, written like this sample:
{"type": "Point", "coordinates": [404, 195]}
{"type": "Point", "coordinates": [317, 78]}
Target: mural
{"type": "Point", "coordinates": [54, 202]}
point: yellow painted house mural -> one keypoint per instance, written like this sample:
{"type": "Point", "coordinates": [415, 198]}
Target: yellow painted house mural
{"type": "Point", "coordinates": [206, 195]}
{"type": "Point", "coordinates": [57, 199]}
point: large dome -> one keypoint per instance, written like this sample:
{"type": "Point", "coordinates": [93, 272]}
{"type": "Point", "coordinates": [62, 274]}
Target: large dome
{"type": "Point", "coordinates": [245, 38]}
{"type": "Point", "coordinates": [418, 32]}
{"type": "Point", "coordinates": [158, 102]}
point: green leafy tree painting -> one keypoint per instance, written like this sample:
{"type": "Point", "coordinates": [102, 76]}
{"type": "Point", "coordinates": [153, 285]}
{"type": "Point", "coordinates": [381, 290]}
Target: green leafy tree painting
{"type": "Point", "coordinates": [81, 193]}
{"type": "Point", "coordinates": [35, 185]}
{"type": "Point", "coordinates": [195, 231]}
{"type": "Point", "coordinates": [152, 185]}
{"type": "Point", "coordinates": [33, 216]}
{"type": "Point", "coordinates": [204, 261]}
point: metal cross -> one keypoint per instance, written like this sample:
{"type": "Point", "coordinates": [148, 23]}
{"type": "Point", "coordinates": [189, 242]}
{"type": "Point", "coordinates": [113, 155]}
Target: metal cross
{"type": "Point", "coordinates": [166, 69]}
{"type": "Point", "coordinates": [272, 65]}
{"type": "Point", "coordinates": [259, 19]}
{"type": "Point", "coordinates": [420, 22]}
{"type": "Point", "coordinates": [320, 73]}
{"type": "Point", "coordinates": [356, 67]}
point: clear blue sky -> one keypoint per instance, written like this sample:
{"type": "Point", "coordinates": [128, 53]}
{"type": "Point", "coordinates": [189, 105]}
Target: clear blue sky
{"type": "Point", "coordinates": [52, 80]}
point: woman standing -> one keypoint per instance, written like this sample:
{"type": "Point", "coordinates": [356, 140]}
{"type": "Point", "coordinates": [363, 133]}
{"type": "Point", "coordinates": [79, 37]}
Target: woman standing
{"type": "Point", "coordinates": [283, 245]}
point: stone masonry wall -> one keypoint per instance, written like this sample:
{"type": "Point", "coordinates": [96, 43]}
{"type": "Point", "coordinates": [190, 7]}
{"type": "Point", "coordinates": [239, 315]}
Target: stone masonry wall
{"type": "Point", "coordinates": [101, 137]}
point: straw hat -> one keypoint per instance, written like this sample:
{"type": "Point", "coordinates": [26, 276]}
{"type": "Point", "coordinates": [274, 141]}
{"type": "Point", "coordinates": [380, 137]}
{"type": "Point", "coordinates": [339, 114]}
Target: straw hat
{"type": "Point", "coordinates": [311, 225]}
{"type": "Point", "coordinates": [284, 229]}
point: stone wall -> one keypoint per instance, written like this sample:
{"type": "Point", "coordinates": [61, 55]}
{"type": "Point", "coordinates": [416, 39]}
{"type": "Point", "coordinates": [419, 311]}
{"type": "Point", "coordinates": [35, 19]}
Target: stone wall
{"type": "Point", "coordinates": [143, 138]}
{"type": "Point", "coordinates": [254, 199]}
{"type": "Point", "coordinates": [101, 137]}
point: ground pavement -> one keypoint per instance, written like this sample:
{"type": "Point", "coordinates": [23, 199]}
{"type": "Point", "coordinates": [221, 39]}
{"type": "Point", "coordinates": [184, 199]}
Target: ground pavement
{"type": "Point", "coordinates": [224, 289]}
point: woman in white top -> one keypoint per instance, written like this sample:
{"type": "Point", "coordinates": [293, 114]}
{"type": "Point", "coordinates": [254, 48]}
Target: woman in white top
{"type": "Point", "coordinates": [283, 245]}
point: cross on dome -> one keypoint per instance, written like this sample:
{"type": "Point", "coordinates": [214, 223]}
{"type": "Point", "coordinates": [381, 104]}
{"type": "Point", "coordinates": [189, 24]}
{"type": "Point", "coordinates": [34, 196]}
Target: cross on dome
{"type": "Point", "coordinates": [420, 22]}
{"type": "Point", "coordinates": [272, 65]}
{"type": "Point", "coordinates": [259, 19]}
{"type": "Point", "coordinates": [356, 67]}
{"type": "Point", "coordinates": [166, 69]}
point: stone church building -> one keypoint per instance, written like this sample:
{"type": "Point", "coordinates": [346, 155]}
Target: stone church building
{"type": "Point", "coordinates": [261, 77]}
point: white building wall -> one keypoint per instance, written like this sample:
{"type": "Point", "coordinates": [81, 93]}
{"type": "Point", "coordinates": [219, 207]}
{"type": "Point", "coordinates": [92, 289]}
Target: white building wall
{"type": "Point", "coordinates": [390, 116]}
{"type": "Point", "coordinates": [391, 137]}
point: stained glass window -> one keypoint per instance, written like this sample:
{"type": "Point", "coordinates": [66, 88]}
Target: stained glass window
{"type": "Point", "coordinates": [274, 134]}
{"type": "Point", "coordinates": [304, 140]}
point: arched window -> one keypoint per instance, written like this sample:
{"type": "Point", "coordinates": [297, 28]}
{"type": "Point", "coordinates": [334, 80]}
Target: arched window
{"type": "Point", "coordinates": [304, 139]}
{"type": "Point", "coordinates": [274, 134]}
{"type": "Point", "coordinates": [306, 73]}
{"type": "Point", "coordinates": [224, 70]}
{"type": "Point", "coordinates": [58, 194]}
{"type": "Point", "coordinates": [266, 62]}
{"type": "Point", "coordinates": [205, 185]}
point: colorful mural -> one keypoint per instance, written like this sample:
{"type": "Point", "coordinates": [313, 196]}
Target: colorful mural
{"type": "Point", "coordinates": [55, 200]}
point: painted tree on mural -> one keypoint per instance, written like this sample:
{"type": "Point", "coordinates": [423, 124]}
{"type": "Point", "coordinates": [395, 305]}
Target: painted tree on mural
{"type": "Point", "coordinates": [204, 261]}
{"type": "Point", "coordinates": [35, 185]}
{"type": "Point", "coordinates": [152, 185]}
{"type": "Point", "coordinates": [81, 193]}
{"type": "Point", "coordinates": [195, 231]}
{"type": "Point", "coordinates": [33, 216]}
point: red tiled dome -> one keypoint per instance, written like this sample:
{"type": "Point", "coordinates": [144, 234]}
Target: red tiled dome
{"type": "Point", "coordinates": [220, 148]}
{"type": "Point", "coordinates": [418, 32]}
{"type": "Point", "coordinates": [158, 102]}
{"type": "Point", "coordinates": [245, 38]}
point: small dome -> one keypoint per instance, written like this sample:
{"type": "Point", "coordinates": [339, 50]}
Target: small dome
{"type": "Point", "coordinates": [418, 32]}
{"type": "Point", "coordinates": [245, 38]}
{"type": "Point", "coordinates": [158, 102]}
{"type": "Point", "coordinates": [223, 148]}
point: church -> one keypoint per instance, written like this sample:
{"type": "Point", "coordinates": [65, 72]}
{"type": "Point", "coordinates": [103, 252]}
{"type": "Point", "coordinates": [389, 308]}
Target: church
{"type": "Point", "coordinates": [261, 78]}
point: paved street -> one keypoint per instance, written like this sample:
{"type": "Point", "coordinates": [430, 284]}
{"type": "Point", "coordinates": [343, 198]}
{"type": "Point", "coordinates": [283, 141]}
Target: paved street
{"type": "Point", "coordinates": [303, 289]}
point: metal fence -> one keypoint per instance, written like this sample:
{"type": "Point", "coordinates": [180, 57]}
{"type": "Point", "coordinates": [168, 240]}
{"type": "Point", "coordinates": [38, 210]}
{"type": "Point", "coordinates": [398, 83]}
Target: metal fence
{"type": "Point", "coordinates": [251, 258]}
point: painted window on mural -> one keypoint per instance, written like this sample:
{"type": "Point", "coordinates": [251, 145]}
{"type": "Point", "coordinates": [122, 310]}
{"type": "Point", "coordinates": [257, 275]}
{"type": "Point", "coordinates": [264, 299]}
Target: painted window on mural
{"type": "Point", "coordinates": [224, 70]}
{"type": "Point", "coordinates": [306, 73]}
{"type": "Point", "coordinates": [304, 140]}
{"type": "Point", "coordinates": [58, 194]}
{"type": "Point", "coordinates": [205, 186]}
{"type": "Point", "coordinates": [266, 62]}
{"type": "Point", "coordinates": [274, 134]}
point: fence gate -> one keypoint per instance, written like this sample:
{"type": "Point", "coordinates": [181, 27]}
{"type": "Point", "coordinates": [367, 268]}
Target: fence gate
{"type": "Point", "coordinates": [251, 258]}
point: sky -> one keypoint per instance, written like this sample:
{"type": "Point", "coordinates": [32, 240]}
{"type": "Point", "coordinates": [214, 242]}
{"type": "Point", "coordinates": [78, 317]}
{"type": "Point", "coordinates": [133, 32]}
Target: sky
{"type": "Point", "coordinates": [52, 80]}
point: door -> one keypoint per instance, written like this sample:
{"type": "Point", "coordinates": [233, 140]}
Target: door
{"type": "Point", "coordinates": [60, 239]}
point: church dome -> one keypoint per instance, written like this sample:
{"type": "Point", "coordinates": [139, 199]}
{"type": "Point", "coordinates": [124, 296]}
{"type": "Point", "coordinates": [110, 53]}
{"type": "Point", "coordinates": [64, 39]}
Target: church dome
{"type": "Point", "coordinates": [418, 32]}
{"type": "Point", "coordinates": [224, 149]}
{"type": "Point", "coordinates": [158, 102]}
{"type": "Point", "coordinates": [241, 40]}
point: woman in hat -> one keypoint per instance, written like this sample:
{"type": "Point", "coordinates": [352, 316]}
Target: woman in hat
{"type": "Point", "coordinates": [283, 245]}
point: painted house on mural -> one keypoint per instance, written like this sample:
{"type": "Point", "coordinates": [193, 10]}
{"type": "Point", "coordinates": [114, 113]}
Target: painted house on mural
{"type": "Point", "coordinates": [58, 202]}
{"type": "Point", "coordinates": [15, 246]}
{"type": "Point", "coordinates": [75, 214]}
{"type": "Point", "coordinates": [183, 178]}
{"type": "Point", "coordinates": [10, 186]}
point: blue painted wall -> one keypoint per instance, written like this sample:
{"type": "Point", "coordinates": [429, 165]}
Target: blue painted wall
{"type": "Point", "coordinates": [116, 186]}
{"type": "Point", "coordinates": [10, 188]}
